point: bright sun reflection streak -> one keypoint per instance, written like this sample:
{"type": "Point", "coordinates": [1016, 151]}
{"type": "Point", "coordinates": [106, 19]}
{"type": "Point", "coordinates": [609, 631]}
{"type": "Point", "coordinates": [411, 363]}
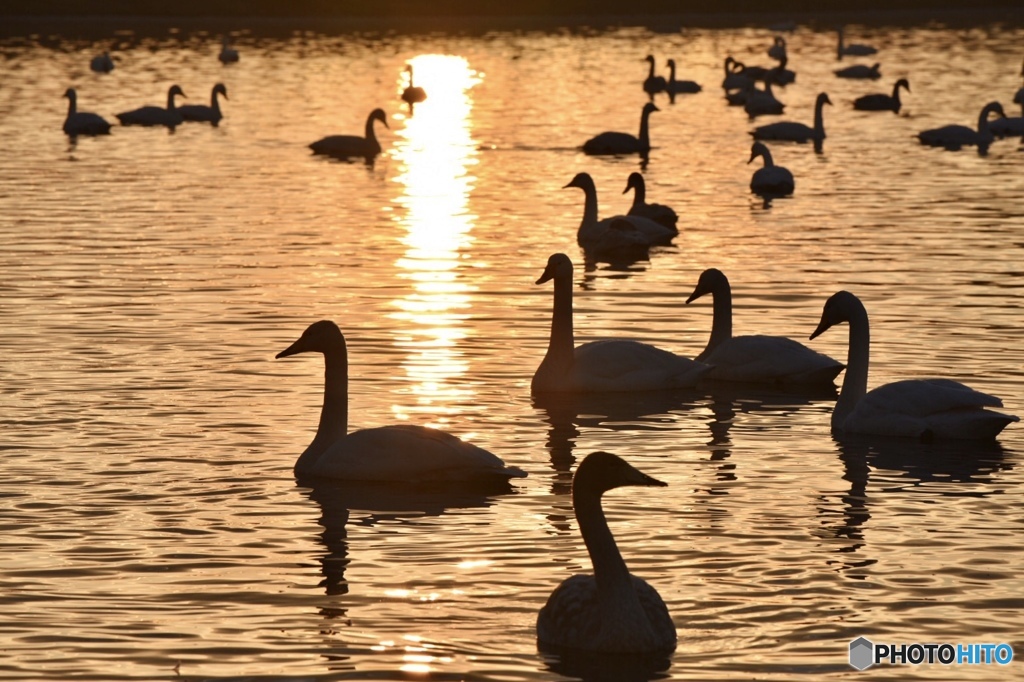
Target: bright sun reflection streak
{"type": "Point", "coordinates": [435, 149]}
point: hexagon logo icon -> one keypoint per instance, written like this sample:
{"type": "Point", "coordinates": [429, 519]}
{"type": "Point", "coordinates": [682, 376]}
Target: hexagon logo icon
{"type": "Point", "coordinates": [862, 653]}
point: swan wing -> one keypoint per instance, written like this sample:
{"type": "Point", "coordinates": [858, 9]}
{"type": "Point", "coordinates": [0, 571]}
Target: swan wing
{"type": "Point", "coordinates": [626, 365]}
{"type": "Point", "coordinates": [659, 213]}
{"type": "Point", "coordinates": [612, 143]}
{"type": "Point", "coordinates": [770, 359]}
{"type": "Point", "coordinates": [572, 615]}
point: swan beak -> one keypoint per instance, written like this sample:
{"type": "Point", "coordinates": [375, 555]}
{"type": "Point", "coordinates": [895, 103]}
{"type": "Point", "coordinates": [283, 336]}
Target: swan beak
{"type": "Point", "coordinates": [293, 349]}
{"type": "Point", "coordinates": [640, 478]}
{"type": "Point", "coordinates": [822, 326]}
{"type": "Point", "coordinates": [548, 275]}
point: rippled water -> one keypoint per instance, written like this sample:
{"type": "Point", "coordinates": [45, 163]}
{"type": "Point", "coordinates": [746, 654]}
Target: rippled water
{"type": "Point", "coordinates": [152, 527]}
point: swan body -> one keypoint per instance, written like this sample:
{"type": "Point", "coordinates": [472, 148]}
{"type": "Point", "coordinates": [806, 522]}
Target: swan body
{"type": "Point", "coordinates": [653, 84]}
{"type": "Point", "coordinates": [854, 49]}
{"type": "Point", "coordinates": [611, 611]}
{"type": "Point", "coordinates": [201, 112]}
{"type": "Point", "coordinates": [102, 63]}
{"type": "Point", "coordinates": [659, 213]}
{"type": "Point", "coordinates": [674, 87]}
{"type": "Point", "coordinates": [954, 137]}
{"type": "Point", "coordinates": [155, 116]}
{"type": "Point", "coordinates": [760, 102]}
{"type": "Point", "coordinates": [1009, 126]}
{"type": "Point", "coordinates": [623, 143]}
{"type": "Point", "coordinates": [925, 409]}
{"type": "Point", "coordinates": [412, 94]}
{"type": "Point", "coordinates": [736, 76]}
{"type": "Point", "coordinates": [778, 49]}
{"type": "Point", "coordinates": [350, 146]}
{"type": "Point", "coordinates": [882, 102]}
{"type": "Point", "coordinates": [602, 366]}
{"type": "Point", "coordinates": [82, 122]}
{"type": "Point", "coordinates": [619, 232]}
{"type": "Point", "coordinates": [860, 71]}
{"type": "Point", "coordinates": [401, 453]}
{"type": "Point", "coordinates": [780, 75]}
{"type": "Point", "coordinates": [228, 54]}
{"type": "Point", "coordinates": [796, 132]}
{"type": "Point", "coordinates": [756, 359]}
{"type": "Point", "coordinates": [770, 179]}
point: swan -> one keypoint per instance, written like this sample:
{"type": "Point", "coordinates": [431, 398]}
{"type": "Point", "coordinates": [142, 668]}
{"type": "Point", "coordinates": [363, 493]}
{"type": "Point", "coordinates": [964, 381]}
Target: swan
{"type": "Point", "coordinates": [770, 179]}
{"type": "Point", "coordinates": [623, 143]}
{"type": "Point", "coordinates": [1008, 126]}
{"type": "Point", "coordinates": [653, 84]}
{"type": "Point", "coordinates": [201, 112]}
{"type": "Point", "coordinates": [796, 132]}
{"type": "Point", "coordinates": [607, 365]}
{"type": "Point", "coordinates": [82, 122]}
{"type": "Point", "coordinates": [102, 63]}
{"type": "Point", "coordinates": [953, 137]}
{"type": "Point", "coordinates": [155, 116]}
{"type": "Point", "coordinates": [736, 77]}
{"type": "Point", "coordinates": [611, 611]}
{"type": "Point", "coordinates": [761, 102]}
{"type": "Point", "coordinates": [618, 232]}
{"type": "Point", "coordinates": [780, 75]}
{"type": "Point", "coordinates": [755, 359]}
{"type": "Point", "coordinates": [860, 71]}
{"type": "Point", "coordinates": [659, 213]}
{"type": "Point", "coordinates": [674, 87]}
{"type": "Point", "coordinates": [228, 54]}
{"type": "Point", "coordinates": [882, 102]}
{"type": "Point", "coordinates": [925, 409]}
{"type": "Point", "coordinates": [398, 453]}
{"type": "Point", "coordinates": [854, 49]}
{"type": "Point", "coordinates": [412, 94]}
{"type": "Point", "coordinates": [348, 146]}
{"type": "Point", "coordinates": [778, 49]}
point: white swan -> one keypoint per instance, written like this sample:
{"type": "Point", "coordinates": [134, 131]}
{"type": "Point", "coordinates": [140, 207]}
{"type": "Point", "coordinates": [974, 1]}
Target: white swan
{"type": "Point", "coordinates": [674, 87]}
{"type": "Point", "coordinates": [153, 115]}
{"type": "Point", "coordinates": [756, 359]}
{"type": "Point", "coordinates": [860, 71]}
{"type": "Point", "coordinates": [400, 453]}
{"type": "Point", "coordinates": [412, 94]}
{"type": "Point", "coordinates": [796, 132]}
{"type": "Point", "coordinates": [600, 366]}
{"type": "Point", "coordinates": [882, 102]}
{"type": "Point", "coordinates": [778, 49]}
{"type": "Point", "coordinates": [228, 54]}
{"type": "Point", "coordinates": [82, 122]}
{"type": "Point", "coordinates": [659, 213]}
{"type": "Point", "coordinates": [854, 49]}
{"type": "Point", "coordinates": [954, 137]}
{"type": "Point", "coordinates": [611, 611]}
{"type": "Point", "coordinates": [350, 146]}
{"type": "Point", "coordinates": [769, 180]}
{"type": "Point", "coordinates": [925, 409]}
{"type": "Point", "coordinates": [623, 143]}
{"type": "Point", "coordinates": [102, 63]}
{"type": "Point", "coordinates": [762, 102]}
{"type": "Point", "coordinates": [618, 232]}
{"type": "Point", "coordinates": [201, 112]}
{"type": "Point", "coordinates": [653, 84]}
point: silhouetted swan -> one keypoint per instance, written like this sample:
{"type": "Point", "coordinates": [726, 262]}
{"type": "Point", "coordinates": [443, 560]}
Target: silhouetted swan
{"type": "Point", "coordinates": [412, 94]}
{"type": "Point", "coordinates": [755, 359]}
{"type": "Point", "coordinates": [608, 365]}
{"type": "Point", "coordinates": [201, 112]}
{"type": "Point", "coordinates": [653, 84]}
{"type": "Point", "coordinates": [769, 180]}
{"type": "Point", "coordinates": [153, 115]}
{"type": "Point", "coordinates": [778, 49]}
{"type": "Point", "coordinates": [611, 611]}
{"type": "Point", "coordinates": [228, 54]}
{"type": "Point", "coordinates": [674, 87]}
{"type": "Point", "coordinates": [399, 453]}
{"type": "Point", "coordinates": [762, 102]}
{"type": "Point", "coordinates": [953, 137]}
{"type": "Point", "coordinates": [882, 102]}
{"type": "Point", "coordinates": [918, 408]}
{"type": "Point", "coordinates": [82, 122]}
{"type": "Point", "coordinates": [102, 63]}
{"type": "Point", "coordinates": [349, 146]}
{"type": "Point", "coordinates": [623, 143]}
{"type": "Point", "coordinates": [780, 75]}
{"type": "Point", "coordinates": [659, 213]}
{"type": "Point", "coordinates": [853, 49]}
{"type": "Point", "coordinates": [796, 132]}
{"type": "Point", "coordinates": [1010, 126]}
{"type": "Point", "coordinates": [618, 232]}
{"type": "Point", "coordinates": [736, 77]}
{"type": "Point", "coordinates": [860, 71]}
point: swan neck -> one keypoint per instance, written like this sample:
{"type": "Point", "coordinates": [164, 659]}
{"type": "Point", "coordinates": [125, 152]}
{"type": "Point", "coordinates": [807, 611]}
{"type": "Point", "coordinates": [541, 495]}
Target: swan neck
{"type": "Point", "coordinates": [369, 133]}
{"type": "Point", "coordinates": [639, 195]}
{"type": "Point", "coordinates": [645, 140]}
{"type": "Point", "coordinates": [334, 413]}
{"type": "Point", "coordinates": [610, 571]}
{"type": "Point", "coordinates": [855, 383]}
{"type": "Point", "coordinates": [767, 156]}
{"type": "Point", "coordinates": [672, 72]}
{"type": "Point", "coordinates": [589, 214]}
{"type": "Point", "coordinates": [819, 118]}
{"type": "Point", "coordinates": [721, 318]}
{"type": "Point", "coordinates": [561, 345]}
{"type": "Point", "coordinates": [72, 105]}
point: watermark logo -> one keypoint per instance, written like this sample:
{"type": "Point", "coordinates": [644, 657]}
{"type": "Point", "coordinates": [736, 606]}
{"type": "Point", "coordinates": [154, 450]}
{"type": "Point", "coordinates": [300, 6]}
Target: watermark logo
{"type": "Point", "coordinates": [864, 653]}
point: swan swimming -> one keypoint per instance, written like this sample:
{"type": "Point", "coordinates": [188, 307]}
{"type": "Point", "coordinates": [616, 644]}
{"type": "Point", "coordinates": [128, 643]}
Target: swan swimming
{"type": "Point", "coordinates": [102, 63]}
{"type": "Point", "coordinates": [611, 611]}
{"type": "Point", "coordinates": [796, 132]}
{"type": "Point", "coordinates": [736, 77]}
{"type": "Point", "coordinates": [882, 102]}
{"type": "Point", "coordinates": [925, 409]}
{"type": "Point", "coordinates": [1008, 126]}
{"type": "Point", "coordinates": [659, 213]}
{"type": "Point", "coordinates": [350, 146]}
{"type": "Point", "coordinates": [201, 112]}
{"type": "Point", "coordinates": [153, 115]}
{"type": "Point", "coordinates": [762, 102]}
{"type": "Point", "coordinates": [860, 71]}
{"type": "Point", "coordinates": [854, 49]}
{"type": "Point", "coordinates": [674, 87]}
{"type": "Point", "coordinates": [653, 84]}
{"type": "Point", "coordinates": [607, 365]}
{"type": "Point", "coordinates": [778, 49]}
{"type": "Point", "coordinates": [623, 143]}
{"type": "Point", "coordinates": [82, 122]}
{"type": "Point", "coordinates": [769, 180]}
{"type": "Point", "coordinates": [412, 94]}
{"type": "Point", "coordinates": [955, 137]}
{"type": "Point", "coordinates": [399, 453]}
{"type": "Point", "coordinates": [228, 54]}
{"type": "Point", "coordinates": [618, 232]}
{"type": "Point", "coordinates": [755, 359]}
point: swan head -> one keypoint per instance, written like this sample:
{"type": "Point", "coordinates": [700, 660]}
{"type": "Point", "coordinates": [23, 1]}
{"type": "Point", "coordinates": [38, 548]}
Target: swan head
{"type": "Point", "coordinates": [71, 94]}
{"type": "Point", "coordinates": [780, 41]}
{"type": "Point", "coordinates": [634, 181]}
{"type": "Point", "coordinates": [583, 181]}
{"type": "Point", "coordinates": [823, 99]}
{"type": "Point", "coordinates": [176, 90]}
{"type": "Point", "coordinates": [559, 265]}
{"type": "Point", "coordinates": [993, 108]}
{"type": "Point", "coordinates": [903, 83]}
{"type": "Point", "coordinates": [837, 310]}
{"type": "Point", "coordinates": [650, 108]}
{"type": "Point", "coordinates": [319, 337]}
{"type": "Point", "coordinates": [221, 89]}
{"type": "Point", "coordinates": [709, 281]}
{"type": "Point", "coordinates": [671, 63]}
{"type": "Point", "coordinates": [600, 472]}
{"type": "Point", "coordinates": [759, 149]}
{"type": "Point", "coordinates": [649, 58]}
{"type": "Point", "coordinates": [876, 66]}
{"type": "Point", "coordinates": [378, 115]}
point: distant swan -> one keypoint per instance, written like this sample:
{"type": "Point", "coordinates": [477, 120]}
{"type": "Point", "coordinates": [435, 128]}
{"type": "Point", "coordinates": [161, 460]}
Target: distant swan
{"type": "Point", "coordinates": [854, 49]}
{"type": "Point", "coordinates": [611, 611]}
{"type": "Point", "coordinates": [201, 112]}
{"type": "Point", "coordinates": [228, 54]}
{"type": "Point", "coordinates": [769, 180]}
{"type": "Point", "coordinates": [674, 87]}
{"type": "Point", "coordinates": [155, 116]}
{"type": "Point", "coordinates": [400, 453]}
{"type": "Point", "coordinates": [617, 232]}
{"type": "Point", "coordinates": [623, 143]}
{"type": "Point", "coordinates": [659, 213]}
{"type": "Point", "coordinates": [1010, 126]}
{"type": "Point", "coordinates": [860, 71]}
{"type": "Point", "coordinates": [796, 132]}
{"type": "Point", "coordinates": [883, 102]}
{"type": "Point", "coordinates": [350, 146]}
{"type": "Point", "coordinates": [762, 102]}
{"type": "Point", "coordinates": [954, 137]}
{"type": "Point", "coordinates": [608, 365]}
{"type": "Point", "coordinates": [82, 122]}
{"type": "Point", "coordinates": [102, 63]}
{"type": "Point", "coordinates": [653, 84]}
{"type": "Point", "coordinates": [778, 49]}
{"type": "Point", "coordinates": [756, 359]}
{"type": "Point", "coordinates": [736, 77]}
{"type": "Point", "coordinates": [925, 409]}
{"type": "Point", "coordinates": [412, 94]}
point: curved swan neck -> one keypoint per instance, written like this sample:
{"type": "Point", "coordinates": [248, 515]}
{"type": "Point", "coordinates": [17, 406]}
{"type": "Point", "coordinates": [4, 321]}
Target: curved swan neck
{"type": "Point", "coordinates": [610, 571]}
{"type": "Point", "coordinates": [561, 345]}
{"type": "Point", "coordinates": [589, 215]}
{"type": "Point", "coordinates": [721, 316]}
{"type": "Point", "coordinates": [369, 132]}
{"type": "Point", "coordinates": [855, 383]}
{"type": "Point", "coordinates": [645, 140]}
{"type": "Point", "coordinates": [334, 413]}
{"type": "Point", "coordinates": [639, 193]}
{"type": "Point", "coordinates": [72, 104]}
{"type": "Point", "coordinates": [767, 156]}
{"type": "Point", "coordinates": [819, 117]}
